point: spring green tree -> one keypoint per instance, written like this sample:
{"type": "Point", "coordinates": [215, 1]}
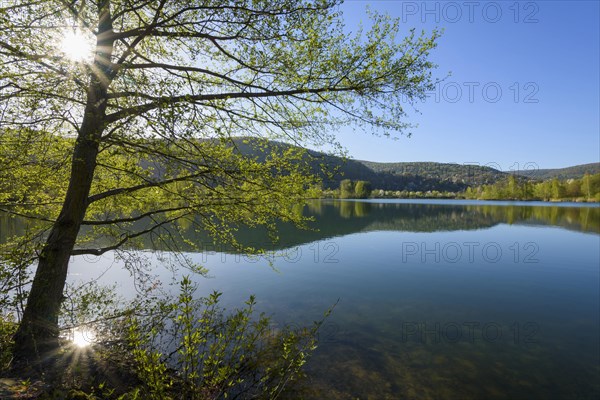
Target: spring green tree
{"type": "Point", "coordinates": [586, 186]}
{"type": "Point", "coordinates": [557, 189]}
{"type": "Point", "coordinates": [573, 188]}
{"type": "Point", "coordinates": [543, 190]}
{"type": "Point", "coordinates": [362, 189]}
{"type": "Point", "coordinates": [117, 116]}
{"type": "Point", "coordinates": [346, 189]}
{"type": "Point", "coordinates": [512, 187]}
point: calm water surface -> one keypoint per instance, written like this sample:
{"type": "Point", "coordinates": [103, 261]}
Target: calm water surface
{"type": "Point", "coordinates": [437, 299]}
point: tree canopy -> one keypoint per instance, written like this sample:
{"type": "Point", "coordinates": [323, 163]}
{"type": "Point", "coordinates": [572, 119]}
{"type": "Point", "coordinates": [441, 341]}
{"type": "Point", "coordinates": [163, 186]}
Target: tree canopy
{"type": "Point", "coordinates": [116, 112]}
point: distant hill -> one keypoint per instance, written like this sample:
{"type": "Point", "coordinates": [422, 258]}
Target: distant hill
{"type": "Point", "coordinates": [396, 176]}
{"type": "Point", "coordinates": [574, 172]}
{"type": "Point", "coordinates": [412, 176]}
{"type": "Point", "coordinates": [423, 176]}
{"type": "Point", "coordinates": [408, 176]}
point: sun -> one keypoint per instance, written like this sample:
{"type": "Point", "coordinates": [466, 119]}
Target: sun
{"type": "Point", "coordinates": [82, 337]}
{"type": "Point", "coordinates": [76, 46]}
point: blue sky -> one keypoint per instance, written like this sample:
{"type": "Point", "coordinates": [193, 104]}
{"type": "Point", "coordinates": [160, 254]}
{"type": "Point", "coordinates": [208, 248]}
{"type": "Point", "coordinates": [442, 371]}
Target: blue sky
{"type": "Point", "coordinates": [543, 56]}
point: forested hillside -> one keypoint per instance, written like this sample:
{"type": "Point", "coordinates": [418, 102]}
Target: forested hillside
{"type": "Point", "coordinates": [397, 176]}
{"type": "Point", "coordinates": [574, 172]}
{"type": "Point", "coordinates": [409, 176]}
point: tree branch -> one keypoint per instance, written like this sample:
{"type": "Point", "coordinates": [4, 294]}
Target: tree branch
{"type": "Point", "coordinates": [149, 184]}
{"type": "Point", "coordinates": [184, 68]}
{"type": "Point", "coordinates": [18, 214]}
{"type": "Point", "coordinates": [132, 219]}
{"type": "Point", "coordinates": [168, 100]}
{"type": "Point", "coordinates": [38, 59]}
{"type": "Point", "coordinates": [125, 239]}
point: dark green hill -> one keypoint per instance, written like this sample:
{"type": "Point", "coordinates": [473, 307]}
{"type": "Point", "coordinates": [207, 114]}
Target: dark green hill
{"type": "Point", "coordinates": [574, 172]}
{"type": "Point", "coordinates": [423, 176]}
{"type": "Point", "coordinates": [410, 176]}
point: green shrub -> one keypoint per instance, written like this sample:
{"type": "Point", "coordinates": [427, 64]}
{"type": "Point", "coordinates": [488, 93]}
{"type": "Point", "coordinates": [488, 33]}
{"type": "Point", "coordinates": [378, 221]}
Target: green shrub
{"type": "Point", "coordinates": [7, 330]}
{"type": "Point", "coordinates": [201, 352]}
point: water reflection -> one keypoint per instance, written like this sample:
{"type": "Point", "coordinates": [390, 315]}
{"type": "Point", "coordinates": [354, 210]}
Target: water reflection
{"type": "Point", "coordinates": [334, 218]}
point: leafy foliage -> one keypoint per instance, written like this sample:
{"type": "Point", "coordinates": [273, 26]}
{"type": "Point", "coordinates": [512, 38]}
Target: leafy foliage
{"type": "Point", "coordinates": [354, 190]}
{"type": "Point", "coordinates": [136, 134]}
{"type": "Point", "coordinates": [586, 188]}
{"type": "Point", "coordinates": [216, 355]}
{"type": "Point", "coordinates": [7, 329]}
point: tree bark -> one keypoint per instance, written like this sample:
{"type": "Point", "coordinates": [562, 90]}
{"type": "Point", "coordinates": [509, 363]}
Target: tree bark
{"type": "Point", "coordinates": [37, 336]}
{"type": "Point", "coordinates": [38, 331]}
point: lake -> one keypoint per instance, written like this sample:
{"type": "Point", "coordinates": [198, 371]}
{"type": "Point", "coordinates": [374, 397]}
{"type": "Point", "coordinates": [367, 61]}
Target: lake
{"type": "Point", "coordinates": [437, 299]}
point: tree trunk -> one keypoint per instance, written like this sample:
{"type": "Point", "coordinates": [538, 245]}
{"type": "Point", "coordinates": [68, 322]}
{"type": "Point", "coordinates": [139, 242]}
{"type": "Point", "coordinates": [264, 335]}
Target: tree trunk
{"type": "Point", "coordinates": [38, 331]}
{"type": "Point", "coordinates": [37, 336]}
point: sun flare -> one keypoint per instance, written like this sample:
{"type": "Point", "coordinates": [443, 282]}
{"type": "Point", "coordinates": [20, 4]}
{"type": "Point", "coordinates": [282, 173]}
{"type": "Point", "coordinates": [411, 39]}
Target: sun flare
{"type": "Point", "coordinates": [76, 46]}
{"type": "Point", "coordinates": [82, 337]}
